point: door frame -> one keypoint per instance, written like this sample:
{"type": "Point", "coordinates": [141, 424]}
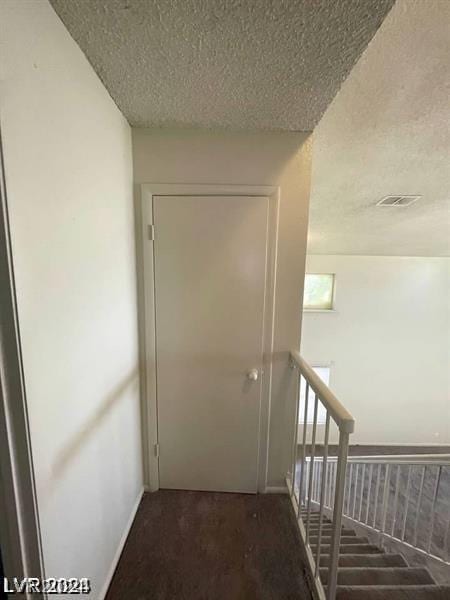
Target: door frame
{"type": "Point", "coordinates": [146, 271]}
{"type": "Point", "coordinates": [20, 533]}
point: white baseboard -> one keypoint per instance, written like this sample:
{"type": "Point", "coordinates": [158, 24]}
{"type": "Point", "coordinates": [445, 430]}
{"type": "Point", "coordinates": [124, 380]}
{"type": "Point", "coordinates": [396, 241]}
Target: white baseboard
{"type": "Point", "coordinates": [119, 550]}
{"type": "Point", "coordinates": [276, 489]}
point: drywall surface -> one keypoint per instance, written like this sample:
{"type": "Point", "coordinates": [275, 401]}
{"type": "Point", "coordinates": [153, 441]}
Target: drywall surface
{"type": "Point", "coordinates": [69, 185]}
{"type": "Point", "coordinates": [388, 345]}
{"type": "Point", "coordinates": [279, 159]}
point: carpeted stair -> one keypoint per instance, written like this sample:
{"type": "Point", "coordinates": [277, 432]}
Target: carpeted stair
{"type": "Point", "coordinates": [367, 572]}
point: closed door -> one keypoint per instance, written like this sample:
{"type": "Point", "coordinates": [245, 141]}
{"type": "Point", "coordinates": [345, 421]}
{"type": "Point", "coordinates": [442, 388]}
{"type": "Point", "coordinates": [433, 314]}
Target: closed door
{"type": "Point", "coordinates": [210, 273]}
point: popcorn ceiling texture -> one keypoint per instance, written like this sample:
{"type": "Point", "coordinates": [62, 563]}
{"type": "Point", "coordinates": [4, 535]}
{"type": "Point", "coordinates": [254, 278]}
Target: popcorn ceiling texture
{"type": "Point", "coordinates": [255, 64]}
{"type": "Point", "coordinates": [387, 132]}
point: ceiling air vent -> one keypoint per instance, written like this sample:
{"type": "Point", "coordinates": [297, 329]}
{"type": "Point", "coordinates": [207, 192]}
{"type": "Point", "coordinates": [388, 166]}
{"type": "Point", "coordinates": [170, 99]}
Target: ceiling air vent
{"type": "Point", "coordinates": [397, 200]}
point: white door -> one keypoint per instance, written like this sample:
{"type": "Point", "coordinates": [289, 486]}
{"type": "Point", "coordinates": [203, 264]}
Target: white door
{"type": "Point", "coordinates": [210, 271]}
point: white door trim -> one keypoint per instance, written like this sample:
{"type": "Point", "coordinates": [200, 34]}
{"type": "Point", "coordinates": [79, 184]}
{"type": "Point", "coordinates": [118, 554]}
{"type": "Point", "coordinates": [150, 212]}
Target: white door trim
{"type": "Point", "coordinates": [19, 519]}
{"type": "Point", "coordinates": [150, 401]}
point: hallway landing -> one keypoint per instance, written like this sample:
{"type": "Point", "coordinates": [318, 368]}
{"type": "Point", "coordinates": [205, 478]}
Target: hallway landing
{"type": "Point", "coordinates": [211, 546]}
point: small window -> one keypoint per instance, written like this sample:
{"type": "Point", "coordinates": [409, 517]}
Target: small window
{"type": "Point", "coordinates": [319, 291]}
{"type": "Point", "coordinates": [324, 374]}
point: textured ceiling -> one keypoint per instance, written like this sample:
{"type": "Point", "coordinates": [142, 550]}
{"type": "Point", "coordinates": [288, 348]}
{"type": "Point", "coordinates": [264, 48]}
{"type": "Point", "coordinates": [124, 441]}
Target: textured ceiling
{"type": "Point", "coordinates": [253, 64]}
{"type": "Point", "coordinates": [388, 132]}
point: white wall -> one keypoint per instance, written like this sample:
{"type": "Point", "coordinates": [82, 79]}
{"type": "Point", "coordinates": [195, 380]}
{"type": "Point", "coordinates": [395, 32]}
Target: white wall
{"type": "Point", "coordinates": [69, 185]}
{"type": "Point", "coordinates": [388, 345]}
{"type": "Point", "coordinates": [281, 159]}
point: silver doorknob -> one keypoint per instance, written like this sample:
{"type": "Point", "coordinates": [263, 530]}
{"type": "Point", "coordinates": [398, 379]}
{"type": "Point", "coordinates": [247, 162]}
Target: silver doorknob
{"type": "Point", "coordinates": [253, 375]}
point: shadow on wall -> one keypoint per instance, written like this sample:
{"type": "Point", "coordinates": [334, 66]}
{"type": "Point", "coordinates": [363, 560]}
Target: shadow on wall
{"type": "Point", "coordinates": [71, 449]}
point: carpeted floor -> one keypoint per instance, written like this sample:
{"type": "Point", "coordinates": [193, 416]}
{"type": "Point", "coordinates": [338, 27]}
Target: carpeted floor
{"type": "Point", "coordinates": [211, 546]}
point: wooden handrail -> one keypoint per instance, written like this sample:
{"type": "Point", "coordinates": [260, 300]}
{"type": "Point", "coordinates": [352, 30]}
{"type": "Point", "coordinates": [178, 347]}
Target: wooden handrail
{"type": "Point", "coordinates": [346, 425]}
{"type": "Point", "coordinates": [340, 415]}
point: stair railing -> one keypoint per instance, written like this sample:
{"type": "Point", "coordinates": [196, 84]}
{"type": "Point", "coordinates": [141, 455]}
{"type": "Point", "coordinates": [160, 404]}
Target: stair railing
{"type": "Point", "coordinates": [405, 498]}
{"type": "Point", "coordinates": [301, 476]}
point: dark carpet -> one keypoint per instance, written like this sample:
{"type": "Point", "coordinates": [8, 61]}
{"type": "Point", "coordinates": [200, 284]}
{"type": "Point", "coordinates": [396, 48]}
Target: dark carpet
{"type": "Point", "coordinates": [211, 546]}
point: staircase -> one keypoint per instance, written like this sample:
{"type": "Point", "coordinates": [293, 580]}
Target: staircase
{"type": "Point", "coordinates": [365, 572]}
{"type": "Point", "coordinates": [400, 500]}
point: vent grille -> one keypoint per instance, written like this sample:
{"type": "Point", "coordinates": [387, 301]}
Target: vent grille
{"type": "Point", "coordinates": [397, 200]}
